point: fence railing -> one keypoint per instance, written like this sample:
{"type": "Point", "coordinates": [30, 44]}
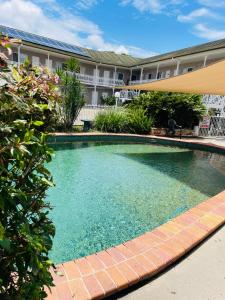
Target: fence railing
{"type": "Point", "coordinates": [134, 82]}
{"type": "Point", "coordinates": [103, 81]}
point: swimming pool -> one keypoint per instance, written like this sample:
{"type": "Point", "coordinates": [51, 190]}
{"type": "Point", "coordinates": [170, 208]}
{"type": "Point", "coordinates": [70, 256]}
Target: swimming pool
{"type": "Point", "coordinates": [108, 193]}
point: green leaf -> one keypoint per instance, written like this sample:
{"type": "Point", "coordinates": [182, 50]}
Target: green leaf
{"type": "Point", "coordinates": [2, 231]}
{"type": "Point", "coordinates": [47, 182]}
{"type": "Point", "coordinates": [38, 123]}
{"type": "Point", "coordinates": [16, 75]}
{"type": "Point", "coordinates": [5, 244]}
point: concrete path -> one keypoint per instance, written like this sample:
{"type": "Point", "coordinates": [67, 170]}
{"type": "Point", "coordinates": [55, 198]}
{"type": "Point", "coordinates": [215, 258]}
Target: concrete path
{"type": "Point", "coordinates": [201, 276]}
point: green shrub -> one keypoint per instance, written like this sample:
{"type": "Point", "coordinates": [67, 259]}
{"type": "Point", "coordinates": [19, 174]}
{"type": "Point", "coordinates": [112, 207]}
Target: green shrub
{"type": "Point", "coordinates": [27, 111]}
{"type": "Point", "coordinates": [123, 120]}
{"type": "Point", "coordinates": [110, 100]}
{"type": "Point", "coordinates": [111, 121]}
{"type": "Point", "coordinates": [186, 109]}
{"type": "Point", "coordinates": [138, 122]}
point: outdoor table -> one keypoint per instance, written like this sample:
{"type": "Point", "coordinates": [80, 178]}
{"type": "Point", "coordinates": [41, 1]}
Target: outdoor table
{"type": "Point", "coordinates": [87, 125]}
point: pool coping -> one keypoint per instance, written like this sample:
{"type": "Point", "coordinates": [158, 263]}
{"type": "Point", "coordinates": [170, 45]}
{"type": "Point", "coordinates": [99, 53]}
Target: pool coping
{"type": "Point", "coordinates": [109, 271]}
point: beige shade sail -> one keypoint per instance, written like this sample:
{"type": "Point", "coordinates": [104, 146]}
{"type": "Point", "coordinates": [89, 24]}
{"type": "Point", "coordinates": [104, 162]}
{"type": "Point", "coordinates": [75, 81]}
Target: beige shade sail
{"type": "Point", "coordinates": [207, 80]}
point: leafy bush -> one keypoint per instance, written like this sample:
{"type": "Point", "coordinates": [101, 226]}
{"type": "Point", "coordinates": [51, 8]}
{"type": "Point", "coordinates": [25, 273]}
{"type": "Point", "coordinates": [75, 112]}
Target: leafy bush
{"type": "Point", "coordinates": [187, 110]}
{"type": "Point", "coordinates": [110, 100]}
{"type": "Point", "coordinates": [111, 121]}
{"type": "Point", "coordinates": [123, 120]}
{"type": "Point", "coordinates": [27, 111]}
{"type": "Point", "coordinates": [138, 122]}
{"type": "Point", "coordinates": [72, 95]}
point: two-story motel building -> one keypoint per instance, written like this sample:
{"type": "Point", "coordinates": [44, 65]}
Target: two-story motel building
{"type": "Point", "coordinates": [101, 71]}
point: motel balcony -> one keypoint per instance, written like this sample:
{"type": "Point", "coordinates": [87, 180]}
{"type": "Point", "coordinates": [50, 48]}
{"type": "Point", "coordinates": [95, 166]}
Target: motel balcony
{"type": "Point", "coordinates": [100, 81]}
{"type": "Point", "coordinates": [134, 82]}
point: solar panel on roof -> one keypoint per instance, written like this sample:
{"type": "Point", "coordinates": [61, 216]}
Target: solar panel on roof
{"type": "Point", "coordinates": [40, 40]}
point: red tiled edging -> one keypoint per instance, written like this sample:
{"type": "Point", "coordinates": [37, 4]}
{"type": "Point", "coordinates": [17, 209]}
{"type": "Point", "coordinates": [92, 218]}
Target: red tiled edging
{"type": "Point", "coordinates": [104, 273]}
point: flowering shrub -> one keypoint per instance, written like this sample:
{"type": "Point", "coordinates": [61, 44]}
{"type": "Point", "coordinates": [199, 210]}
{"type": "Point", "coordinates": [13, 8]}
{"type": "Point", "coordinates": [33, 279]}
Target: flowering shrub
{"type": "Point", "coordinates": [28, 99]}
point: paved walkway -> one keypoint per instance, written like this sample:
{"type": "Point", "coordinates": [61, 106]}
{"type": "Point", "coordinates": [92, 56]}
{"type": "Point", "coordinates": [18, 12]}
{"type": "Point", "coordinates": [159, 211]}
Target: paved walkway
{"type": "Point", "coordinates": [199, 277]}
{"type": "Point", "coordinates": [220, 141]}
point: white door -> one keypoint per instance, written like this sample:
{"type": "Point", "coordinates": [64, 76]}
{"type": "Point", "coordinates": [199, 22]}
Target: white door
{"type": "Point", "coordinates": [94, 98]}
{"type": "Point", "coordinates": [106, 76]}
{"type": "Point", "coordinates": [48, 63]}
{"type": "Point", "coordinates": [35, 61]}
{"type": "Point", "coordinates": [82, 70]}
{"type": "Point", "coordinates": [96, 76]}
{"type": "Point", "coordinates": [167, 73]}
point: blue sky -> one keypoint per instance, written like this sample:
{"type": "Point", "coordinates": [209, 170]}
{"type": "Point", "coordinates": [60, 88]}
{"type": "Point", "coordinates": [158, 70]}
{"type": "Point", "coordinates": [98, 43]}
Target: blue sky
{"type": "Point", "coordinates": [138, 27]}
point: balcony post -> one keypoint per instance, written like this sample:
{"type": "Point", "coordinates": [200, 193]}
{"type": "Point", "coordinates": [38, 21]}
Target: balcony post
{"type": "Point", "coordinates": [178, 67]}
{"type": "Point", "coordinates": [48, 60]}
{"type": "Point", "coordinates": [205, 60]}
{"type": "Point", "coordinates": [157, 71]}
{"type": "Point", "coordinates": [18, 51]}
{"type": "Point", "coordinates": [96, 77]}
{"type": "Point", "coordinates": [141, 76]}
{"type": "Point", "coordinates": [114, 78]}
{"type": "Point", "coordinates": [131, 71]}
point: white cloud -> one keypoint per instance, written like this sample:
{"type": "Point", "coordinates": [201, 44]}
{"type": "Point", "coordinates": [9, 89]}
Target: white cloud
{"type": "Point", "coordinates": [46, 18]}
{"type": "Point", "coordinates": [85, 4]}
{"type": "Point", "coordinates": [208, 33]}
{"type": "Point", "coordinates": [212, 3]}
{"type": "Point", "coordinates": [153, 6]}
{"type": "Point", "coordinates": [196, 14]}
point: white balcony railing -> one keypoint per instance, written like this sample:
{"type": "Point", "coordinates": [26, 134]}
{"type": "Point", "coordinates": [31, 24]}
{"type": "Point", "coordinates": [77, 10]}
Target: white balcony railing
{"type": "Point", "coordinates": [134, 82]}
{"type": "Point", "coordinates": [102, 81]}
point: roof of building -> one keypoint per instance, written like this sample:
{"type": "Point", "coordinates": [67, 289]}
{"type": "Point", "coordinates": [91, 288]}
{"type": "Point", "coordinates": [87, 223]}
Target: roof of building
{"type": "Point", "coordinates": [43, 41]}
{"type": "Point", "coordinates": [112, 58]}
{"type": "Point", "coordinates": [106, 57]}
{"type": "Point", "coordinates": [186, 51]}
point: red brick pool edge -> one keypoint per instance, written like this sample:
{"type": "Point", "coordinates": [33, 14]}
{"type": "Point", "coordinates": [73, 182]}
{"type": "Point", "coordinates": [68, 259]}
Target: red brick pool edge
{"type": "Point", "coordinates": [107, 272]}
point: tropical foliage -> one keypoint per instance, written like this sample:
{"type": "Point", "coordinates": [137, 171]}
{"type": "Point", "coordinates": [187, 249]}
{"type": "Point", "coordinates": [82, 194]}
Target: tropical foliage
{"type": "Point", "coordinates": [187, 110]}
{"type": "Point", "coordinates": [110, 100]}
{"type": "Point", "coordinates": [71, 94]}
{"type": "Point", "coordinates": [123, 120]}
{"type": "Point", "coordinates": [27, 111]}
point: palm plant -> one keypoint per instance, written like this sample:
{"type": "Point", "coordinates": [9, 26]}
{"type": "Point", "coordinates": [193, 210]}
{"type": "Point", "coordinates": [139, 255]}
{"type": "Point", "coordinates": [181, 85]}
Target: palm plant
{"type": "Point", "coordinates": [72, 94]}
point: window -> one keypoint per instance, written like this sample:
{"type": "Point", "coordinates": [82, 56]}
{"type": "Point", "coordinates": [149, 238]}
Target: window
{"type": "Point", "coordinates": [23, 57]}
{"type": "Point", "coordinates": [104, 95]}
{"type": "Point", "coordinates": [15, 56]}
{"type": "Point", "coordinates": [35, 61]}
{"type": "Point", "coordinates": [167, 73]}
{"type": "Point", "coordinates": [159, 75]}
{"type": "Point", "coordinates": [133, 78]}
{"type": "Point", "coordinates": [120, 76]}
{"type": "Point", "coordinates": [149, 76]}
{"type": "Point", "coordinates": [48, 63]}
{"type": "Point", "coordinates": [190, 69]}
{"type": "Point", "coordinates": [58, 65]}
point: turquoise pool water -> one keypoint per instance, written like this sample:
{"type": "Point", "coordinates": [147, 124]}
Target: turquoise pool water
{"type": "Point", "coordinates": [106, 194]}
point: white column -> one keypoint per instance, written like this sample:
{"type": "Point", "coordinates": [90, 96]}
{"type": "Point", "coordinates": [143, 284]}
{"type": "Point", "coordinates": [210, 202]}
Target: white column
{"type": "Point", "coordinates": [205, 60]}
{"type": "Point", "coordinates": [48, 61]}
{"type": "Point", "coordinates": [114, 78]}
{"type": "Point", "coordinates": [178, 67]}
{"type": "Point", "coordinates": [141, 76]}
{"type": "Point", "coordinates": [94, 93]}
{"type": "Point", "coordinates": [131, 70]}
{"type": "Point", "coordinates": [157, 71]}
{"type": "Point", "coordinates": [19, 58]}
